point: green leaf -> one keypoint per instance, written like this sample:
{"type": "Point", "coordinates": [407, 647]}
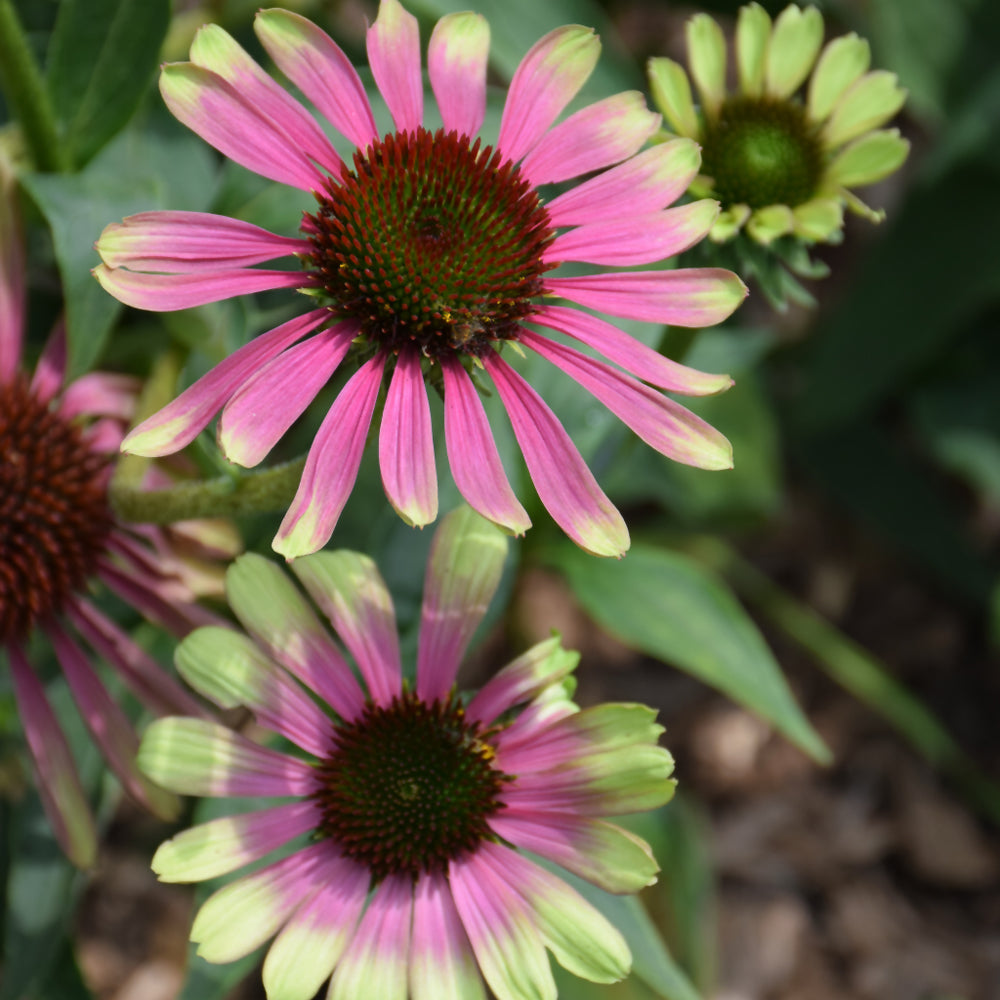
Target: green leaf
{"type": "Point", "coordinates": [101, 59]}
{"type": "Point", "coordinates": [669, 606]}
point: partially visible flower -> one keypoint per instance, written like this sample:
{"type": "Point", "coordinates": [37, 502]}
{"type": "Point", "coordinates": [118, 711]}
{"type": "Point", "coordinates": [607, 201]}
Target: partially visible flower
{"type": "Point", "coordinates": [58, 538]}
{"type": "Point", "coordinates": [780, 162]}
{"type": "Point", "coordinates": [414, 803]}
{"type": "Point", "coordinates": [427, 254]}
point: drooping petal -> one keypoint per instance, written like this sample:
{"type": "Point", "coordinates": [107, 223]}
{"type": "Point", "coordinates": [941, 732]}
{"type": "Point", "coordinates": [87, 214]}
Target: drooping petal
{"type": "Point", "coordinates": [472, 453]}
{"type": "Point", "coordinates": [565, 485]}
{"type": "Point", "coordinates": [12, 280]}
{"type": "Point", "coordinates": [633, 355]}
{"type": "Point", "coordinates": [730, 221]}
{"type": "Point", "coordinates": [637, 239]}
{"type": "Point", "coordinates": [230, 842]}
{"type": "Point", "coordinates": [186, 242]}
{"type": "Point", "coordinates": [595, 137]}
{"type": "Point", "coordinates": [282, 622]}
{"type": "Point", "coordinates": [547, 79]}
{"type": "Point", "coordinates": [695, 297]}
{"type": "Point", "coordinates": [662, 423]}
{"type": "Point", "coordinates": [50, 369]}
{"type": "Point", "coordinates": [393, 44]}
{"type": "Point", "coordinates": [463, 571]}
{"type": "Point", "coordinates": [375, 961]}
{"type": "Point", "coordinates": [753, 31]}
{"type": "Point", "coordinates": [841, 63]}
{"type": "Point", "coordinates": [868, 159]}
{"type": "Point", "coordinates": [456, 62]}
{"type": "Point", "coordinates": [707, 57]}
{"type": "Point", "coordinates": [167, 292]}
{"type": "Point", "coordinates": [332, 465]}
{"type": "Point", "coordinates": [181, 421]}
{"type": "Point", "coordinates": [766, 225]}
{"type": "Point", "coordinates": [442, 965]}
{"type": "Point", "coordinates": [277, 394]}
{"type": "Point", "coordinates": [58, 783]}
{"type": "Point", "coordinates": [795, 43]}
{"type": "Point", "coordinates": [198, 757]}
{"type": "Point", "coordinates": [348, 588]}
{"type": "Point", "coordinates": [646, 182]}
{"type": "Point", "coordinates": [671, 91]}
{"type": "Point", "coordinates": [314, 62]}
{"type": "Point", "coordinates": [818, 219]}
{"type": "Point", "coordinates": [216, 111]}
{"type": "Point", "coordinates": [865, 105]}
{"type": "Point", "coordinates": [406, 444]}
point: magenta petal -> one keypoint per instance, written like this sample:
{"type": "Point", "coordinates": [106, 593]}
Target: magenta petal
{"type": "Point", "coordinates": [180, 422]}
{"type": "Point", "coordinates": [441, 960]}
{"type": "Point", "coordinates": [659, 421]}
{"type": "Point", "coordinates": [473, 456]}
{"type": "Point", "coordinates": [58, 782]}
{"type": "Point", "coordinates": [633, 355]}
{"type": "Point", "coordinates": [406, 444]}
{"type": "Point", "coordinates": [167, 292]}
{"type": "Point", "coordinates": [565, 485]}
{"type": "Point", "coordinates": [332, 465]}
{"type": "Point", "coordinates": [100, 394]}
{"type": "Point", "coordinates": [393, 43]}
{"type": "Point", "coordinates": [12, 281]}
{"type": "Point", "coordinates": [275, 396]}
{"type": "Point", "coordinates": [700, 296]}
{"type": "Point", "coordinates": [51, 367]}
{"type": "Point", "coordinates": [456, 63]}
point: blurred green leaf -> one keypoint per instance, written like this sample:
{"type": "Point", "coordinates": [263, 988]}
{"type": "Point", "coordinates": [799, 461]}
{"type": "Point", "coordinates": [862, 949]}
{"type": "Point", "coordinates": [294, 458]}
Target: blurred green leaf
{"type": "Point", "coordinates": [669, 606]}
{"type": "Point", "coordinates": [101, 60]}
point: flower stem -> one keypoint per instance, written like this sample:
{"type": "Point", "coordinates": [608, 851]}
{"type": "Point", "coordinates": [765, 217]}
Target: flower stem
{"type": "Point", "coordinates": [23, 86]}
{"type": "Point", "coordinates": [859, 672]}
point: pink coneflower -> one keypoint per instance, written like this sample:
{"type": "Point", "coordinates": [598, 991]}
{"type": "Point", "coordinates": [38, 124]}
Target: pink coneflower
{"type": "Point", "coordinates": [429, 252]}
{"type": "Point", "coordinates": [413, 803]}
{"type": "Point", "coordinates": [58, 537]}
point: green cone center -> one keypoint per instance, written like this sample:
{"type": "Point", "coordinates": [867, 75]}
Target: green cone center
{"type": "Point", "coordinates": [408, 787]}
{"type": "Point", "coordinates": [760, 152]}
{"type": "Point", "coordinates": [54, 515]}
{"type": "Point", "coordinates": [432, 240]}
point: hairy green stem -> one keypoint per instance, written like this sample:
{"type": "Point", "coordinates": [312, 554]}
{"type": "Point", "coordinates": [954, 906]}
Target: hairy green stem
{"type": "Point", "coordinates": [24, 88]}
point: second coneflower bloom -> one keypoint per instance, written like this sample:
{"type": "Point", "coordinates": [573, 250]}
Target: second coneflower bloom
{"type": "Point", "coordinates": [429, 252]}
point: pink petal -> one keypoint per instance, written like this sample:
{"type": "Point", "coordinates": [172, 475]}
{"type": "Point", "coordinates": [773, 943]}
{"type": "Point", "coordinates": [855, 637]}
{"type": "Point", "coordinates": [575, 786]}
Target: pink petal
{"type": "Point", "coordinates": [633, 355]}
{"type": "Point", "coordinates": [58, 783]}
{"type": "Point", "coordinates": [472, 453]}
{"type": "Point", "coordinates": [548, 78]}
{"type": "Point", "coordinates": [100, 394]}
{"type": "Point", "coordinates": [332, 465]}
{"type": "Point", "coordinates": [12, 281]}
{"type": "Point", "coordinates": [565, 485]}
{"type": "Point", "coordinates": [456, 62]}
{"type": "Point", "coordinates": [51, 367]}
{"type": "Point", "coordinates": [393, 43]}
{"type": "Point", "coordinates": [659, 421]}
{"type": "Point", "coordinates": [180, 422]}
{"type": "Point", "coordinates": [595, 137]}
{"type": "Point", "coordinates": [695, 297]}
{"type": "Point", "coordinates": [277, 394]}
{"type": "Point", "coordinates": [642, 239]}
{"type": "Point", "coordinates": [646, 182]}
{"type": "Point", "coordinates": [187, 242]}
{"type": "Point", "coordinates": [167, 292]}
{"type": "Point", "coordinates": [406, 444]}
{"type": "Point", "coordinates": [318, 67]}
{"type": "Point", "coordinates": [219, 113]}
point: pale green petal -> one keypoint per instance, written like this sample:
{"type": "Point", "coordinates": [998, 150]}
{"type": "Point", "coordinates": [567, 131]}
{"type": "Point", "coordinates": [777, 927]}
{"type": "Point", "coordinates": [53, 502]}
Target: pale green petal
{"type": "Point", "coordinates": [707, 57]}
{"type": "Point", "coordinates": [858, 207]}
{"type": "Point", "coordinates": [818, 220]}
{"type": "Point", "coordinates": [868, 159]}
{"type": "Point", "coordinates": [767, 224]}
{"type": "Point", "coordinates": [626, 780]}
{"type": "Point", "coordinates": [753, 31]}
{"type": "Point", "coordinates": [841, 64]}
{"type": "Point", "coordinates": [615, 724]}
{"type": "Point", "coordinates": [867, 104]}
{"type": "Point", "coordinates": [671, 92]}
{"type": "Point", "coordinates": [795, 43]}
{"type": "Point", "coordinates": [730, 221]}
{"type": "Point", "coordinates": [225, 666]}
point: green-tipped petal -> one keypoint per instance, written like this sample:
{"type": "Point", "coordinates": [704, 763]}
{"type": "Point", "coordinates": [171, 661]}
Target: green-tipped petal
{"type": "Point", "coordinates": [795, 43]}
{"type": "Point", "coordinates": [819, 220]}
{"type": "Point", "coordinates": [707, 57]}
{"type": "Point", "coordinates": [753, 30]}
{"type": "Point", "coordinates": [868, 159]}
{"type": "Point", "coordinates": [841, 64]}
{"type": "Point", "coordinates": [671, 92]}
{"type": "Point", "coordinates": [867, 104]}
{"type": "Point", "coordinates": [615, 724]}
{"type": "Point", "coordinates": [729, 223]}
{"type": "Point", "coordinates": [223, 665]}
{"type": "Point", "coordinates": [767, 224]}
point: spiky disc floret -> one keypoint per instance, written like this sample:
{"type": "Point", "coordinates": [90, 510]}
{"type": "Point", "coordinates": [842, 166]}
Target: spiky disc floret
{"type": "Point", "coordinates": [54, 515]}
{"type": "Point", "coordinates": [408, 787]}
{"type": "Point", "coordinates": [431, 239]}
